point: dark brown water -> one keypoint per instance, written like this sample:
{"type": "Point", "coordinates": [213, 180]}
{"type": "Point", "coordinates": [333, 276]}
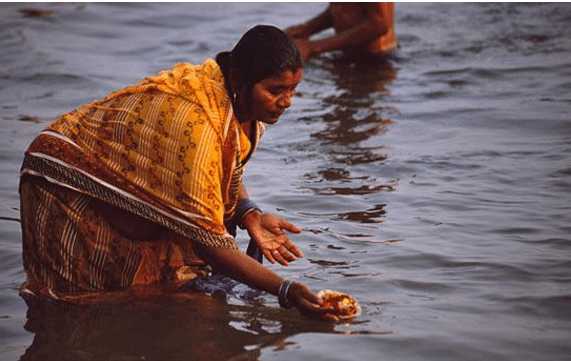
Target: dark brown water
{"type": "Point", "coordinates": [436, 188]}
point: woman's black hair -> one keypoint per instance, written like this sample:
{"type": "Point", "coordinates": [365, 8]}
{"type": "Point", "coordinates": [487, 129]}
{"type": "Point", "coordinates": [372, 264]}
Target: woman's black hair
{"type": "Point", "coordinates": [262, 52]}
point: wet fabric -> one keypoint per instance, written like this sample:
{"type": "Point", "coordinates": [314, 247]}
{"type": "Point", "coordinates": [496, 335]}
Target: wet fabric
{"type": "Point", "coordinates": [71, 246]}
{"type": "Point", "coordinates": [166, 153]}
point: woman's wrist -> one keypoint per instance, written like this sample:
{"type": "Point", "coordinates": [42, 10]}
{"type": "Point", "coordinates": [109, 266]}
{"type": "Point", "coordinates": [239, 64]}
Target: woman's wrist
{"type": "Point", "coordinates": [244, 211]}
{"type": "Point", "coordinates": [284, 292]}
{"type": "Point", "coordinates": [253, 216]}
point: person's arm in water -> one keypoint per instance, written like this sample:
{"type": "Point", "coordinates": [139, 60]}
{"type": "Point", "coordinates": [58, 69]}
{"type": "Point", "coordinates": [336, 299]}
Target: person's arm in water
{"type": "Point", "coordinates": [363, 32]}
{"type": "Point", "coordinates": [269, 232]}
{"type": "Point", "coordinates": [319, 23]}
{"type": "Point", "coordinates": [243, 268]}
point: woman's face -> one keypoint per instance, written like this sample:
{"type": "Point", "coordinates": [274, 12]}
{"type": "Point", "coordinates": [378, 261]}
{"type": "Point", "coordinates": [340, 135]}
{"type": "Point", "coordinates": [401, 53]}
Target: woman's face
{"type": "Point", "coordinates": [272, 96]}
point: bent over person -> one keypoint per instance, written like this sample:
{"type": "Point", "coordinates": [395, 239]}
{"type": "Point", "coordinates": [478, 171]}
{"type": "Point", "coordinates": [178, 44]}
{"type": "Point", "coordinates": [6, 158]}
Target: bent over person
{"type": "Point", "coordinates": [361, 30]}
{"type": "Point", "coordinates": [138, 189]}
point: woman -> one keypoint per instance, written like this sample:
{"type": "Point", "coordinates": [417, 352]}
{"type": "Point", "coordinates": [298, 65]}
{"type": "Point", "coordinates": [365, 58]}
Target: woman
{"type": "Point", "coordinates": [135, 189]}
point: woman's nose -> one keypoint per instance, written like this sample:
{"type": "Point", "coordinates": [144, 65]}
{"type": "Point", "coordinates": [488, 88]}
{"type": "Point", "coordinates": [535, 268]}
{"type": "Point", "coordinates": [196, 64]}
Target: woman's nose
{"type": "Point", "coordinates": [285, 100]}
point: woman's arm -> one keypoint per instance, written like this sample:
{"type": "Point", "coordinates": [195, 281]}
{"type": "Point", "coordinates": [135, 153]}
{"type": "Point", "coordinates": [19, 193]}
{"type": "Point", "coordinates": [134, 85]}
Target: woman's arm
{"type": "Point", "coordinates": [239, 266]}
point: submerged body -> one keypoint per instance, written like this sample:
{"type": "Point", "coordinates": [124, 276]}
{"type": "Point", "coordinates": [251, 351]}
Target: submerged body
{"type": "Point", "coordinates": [361, 30]}
{"type": "Point", "coordinates": [347, 15]}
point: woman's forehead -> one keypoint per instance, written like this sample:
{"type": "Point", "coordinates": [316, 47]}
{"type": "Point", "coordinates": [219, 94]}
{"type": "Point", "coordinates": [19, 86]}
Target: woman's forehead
{"type": "Point", "coordinates": [287, 76]}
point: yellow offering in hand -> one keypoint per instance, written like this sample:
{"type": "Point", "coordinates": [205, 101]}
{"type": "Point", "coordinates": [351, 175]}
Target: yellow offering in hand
{"type": "Point", "coordinates": [344, 306]}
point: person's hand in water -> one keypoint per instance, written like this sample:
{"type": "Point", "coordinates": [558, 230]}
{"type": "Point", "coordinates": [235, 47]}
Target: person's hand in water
{"type": "Point", "coordinates": [308, 303]}
{"type": "Point", "coordinates": [269, 233]}
{"type": "Point", "coordinates": [305, 48]}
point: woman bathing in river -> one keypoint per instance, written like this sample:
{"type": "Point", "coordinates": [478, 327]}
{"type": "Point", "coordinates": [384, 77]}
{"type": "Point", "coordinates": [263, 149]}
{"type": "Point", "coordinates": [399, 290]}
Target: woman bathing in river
{"type": "Point", "coordinates": [141, 188]}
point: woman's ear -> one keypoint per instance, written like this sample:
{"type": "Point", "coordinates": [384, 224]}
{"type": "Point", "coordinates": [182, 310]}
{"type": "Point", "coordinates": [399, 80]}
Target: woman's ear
{"type": "Point", "coordinates": [235, 79]}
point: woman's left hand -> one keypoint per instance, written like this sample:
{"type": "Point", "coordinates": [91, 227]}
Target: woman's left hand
{"type": "Point", "coordinates": [269, 232]}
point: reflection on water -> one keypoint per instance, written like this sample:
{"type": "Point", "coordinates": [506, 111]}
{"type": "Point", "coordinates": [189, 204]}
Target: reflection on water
{"type": "Point", "coordinates": [434, 187]}
{"type": "Point", "coordinates": [372, 215]}
{"type": "Point", "coordinates": [352, 135]}
{"type": "Point", "coordinates": [184, 326]}
{"type": "Point", "coordinates": [364, 189]}
{"type": "Point", "coordinates": [356, 115]}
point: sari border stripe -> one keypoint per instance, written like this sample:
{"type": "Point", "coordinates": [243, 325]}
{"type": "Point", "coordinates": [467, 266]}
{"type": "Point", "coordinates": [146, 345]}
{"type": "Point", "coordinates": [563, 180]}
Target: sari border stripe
{"type": "Point", "coordinates": [54, 169]}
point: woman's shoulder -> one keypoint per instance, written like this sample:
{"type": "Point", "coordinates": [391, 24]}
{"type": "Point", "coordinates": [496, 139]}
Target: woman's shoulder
{"type": "Point", "coordinates": [207, 71]}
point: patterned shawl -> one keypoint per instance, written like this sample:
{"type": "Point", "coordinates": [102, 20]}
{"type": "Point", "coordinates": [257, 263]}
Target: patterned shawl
{"type": "Point", "coordinates": [167, 149]}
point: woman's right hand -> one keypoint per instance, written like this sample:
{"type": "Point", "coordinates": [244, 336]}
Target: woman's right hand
{"type": "Point", "coordinates": [269, 232]}
{"type": "Point", "coordinates": [308, 303]}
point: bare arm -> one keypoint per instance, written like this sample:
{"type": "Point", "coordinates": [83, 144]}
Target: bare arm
{"type": "Point", "coordinates": [242, 192]}
{"type": "Point", "coordinates": [237, 265]}
{"type": "Point", "coordinates": [319, 23]}
{"type": "Point", "coordinates": [372, 27]}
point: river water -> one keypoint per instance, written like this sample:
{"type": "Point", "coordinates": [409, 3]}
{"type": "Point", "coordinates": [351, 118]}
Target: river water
{"type": "Point", "coordinates": [436, 188]}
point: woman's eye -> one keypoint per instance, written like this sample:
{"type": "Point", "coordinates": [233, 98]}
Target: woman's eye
{"type": "Point", "coordinates": [275, 91]}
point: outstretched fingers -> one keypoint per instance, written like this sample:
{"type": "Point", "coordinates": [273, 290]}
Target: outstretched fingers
{"type": "Point", "coordinates": [275, 256]}
{"type": "Point", "coordinates": [289, 226]}
{"type": "Point", "coordinates": [293, 248]}
{"type": "Point", "coordinates": [268, 254]}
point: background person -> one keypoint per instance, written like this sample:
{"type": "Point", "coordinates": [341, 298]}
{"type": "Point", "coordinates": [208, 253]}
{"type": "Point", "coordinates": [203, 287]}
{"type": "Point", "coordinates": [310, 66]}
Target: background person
{"type": "Point", "coordinates": [361, 29]}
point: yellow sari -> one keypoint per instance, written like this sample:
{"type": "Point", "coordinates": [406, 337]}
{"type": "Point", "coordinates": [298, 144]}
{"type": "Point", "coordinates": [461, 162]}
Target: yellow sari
{"type": "Point", "coordinates": [167, 152]}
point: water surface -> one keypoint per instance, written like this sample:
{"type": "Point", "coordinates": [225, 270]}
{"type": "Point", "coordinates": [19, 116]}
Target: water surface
{"type": "Point", "coordinates": [434, 187]}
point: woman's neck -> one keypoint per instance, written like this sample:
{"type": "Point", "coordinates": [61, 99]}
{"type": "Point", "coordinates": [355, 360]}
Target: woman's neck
{"type": "Point", "coordinates": [247, 127]}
